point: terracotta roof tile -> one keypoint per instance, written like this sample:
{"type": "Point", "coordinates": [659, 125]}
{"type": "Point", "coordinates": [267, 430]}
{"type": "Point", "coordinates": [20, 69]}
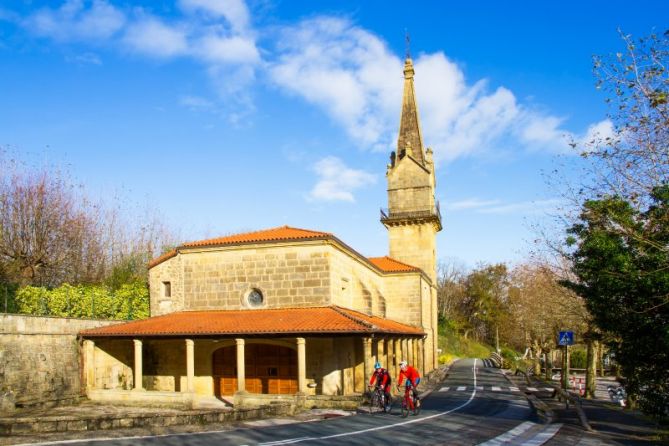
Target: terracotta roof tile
{"type": "Point", "coordinates": [389, 265]}
{"type": "Point", "coordinates": [310, 320]}
{"type": "Point", "coordinates": [273, 234]}
{"type": "Point", "coordinates": [162, 258]}
{"type": "Point", "coordinates": [266, 235]}
{"type": "Point", "coordinates": [381, 324]}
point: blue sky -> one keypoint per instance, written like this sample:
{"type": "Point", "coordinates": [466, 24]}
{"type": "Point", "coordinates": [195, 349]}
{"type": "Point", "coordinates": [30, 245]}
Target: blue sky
{"type": "Point", "coordinates": [229, 116]}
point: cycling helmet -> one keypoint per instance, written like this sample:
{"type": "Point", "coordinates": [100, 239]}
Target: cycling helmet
{"type": "Point", "coordinates": [403, 364]}
{"type": "Point", "coordinates": [377, 365]}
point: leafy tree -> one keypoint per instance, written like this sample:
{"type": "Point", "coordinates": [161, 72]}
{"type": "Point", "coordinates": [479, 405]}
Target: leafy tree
{"type": "Point", "coordinates": [485, 299]}
{"type": "Point", "coordinates": [621, 263]}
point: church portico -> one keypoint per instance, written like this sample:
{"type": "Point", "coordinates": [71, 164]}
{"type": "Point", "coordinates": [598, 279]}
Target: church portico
{"type": "Point", "coordinates": [333, 356]}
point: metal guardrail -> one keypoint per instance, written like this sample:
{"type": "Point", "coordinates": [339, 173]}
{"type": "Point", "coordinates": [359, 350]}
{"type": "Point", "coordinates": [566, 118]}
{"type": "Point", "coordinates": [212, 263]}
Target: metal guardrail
{"type": "Point", "coordinates": [433, 213]}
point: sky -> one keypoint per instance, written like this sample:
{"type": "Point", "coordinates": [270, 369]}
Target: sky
{"type": "Point", "coordinates": [230, 116]}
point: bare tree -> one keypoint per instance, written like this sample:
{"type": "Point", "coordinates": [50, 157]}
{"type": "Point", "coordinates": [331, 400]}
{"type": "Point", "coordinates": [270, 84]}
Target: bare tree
{"type": "Point", "coordinates": [51, 233]}
{"type": "Point", "coordinates": [47, 234]}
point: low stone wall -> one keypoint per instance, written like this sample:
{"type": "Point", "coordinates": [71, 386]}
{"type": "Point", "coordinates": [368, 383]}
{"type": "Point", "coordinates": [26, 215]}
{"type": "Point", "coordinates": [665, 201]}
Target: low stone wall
{"type": "Point", "coordinates": [29, 425]}
{"type": "Point", "coordinates": [39, 360]}
{"type": "Point", "coordinates": [299, 402]}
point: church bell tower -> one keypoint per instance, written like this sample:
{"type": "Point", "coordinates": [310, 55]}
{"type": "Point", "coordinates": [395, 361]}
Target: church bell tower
{"type": "Point", "coordinates": [413, 217]}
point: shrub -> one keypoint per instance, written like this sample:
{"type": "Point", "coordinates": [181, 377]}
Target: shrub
{"type": "Point", "coordinates": [130, 301]}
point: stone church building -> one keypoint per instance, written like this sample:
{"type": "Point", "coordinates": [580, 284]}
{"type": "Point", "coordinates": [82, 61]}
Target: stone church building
{"type": "Point", "coordinates": [284, 313]}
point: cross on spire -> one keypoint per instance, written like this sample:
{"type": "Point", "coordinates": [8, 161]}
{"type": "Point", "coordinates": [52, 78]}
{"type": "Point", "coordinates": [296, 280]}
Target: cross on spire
{"type": "Point", "coordinates": [407, 39]}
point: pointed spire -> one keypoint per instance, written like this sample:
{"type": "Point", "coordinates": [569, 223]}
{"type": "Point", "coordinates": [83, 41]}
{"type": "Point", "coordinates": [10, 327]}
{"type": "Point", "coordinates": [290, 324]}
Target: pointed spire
{"type": "Point", "coordinates": [410, 140]}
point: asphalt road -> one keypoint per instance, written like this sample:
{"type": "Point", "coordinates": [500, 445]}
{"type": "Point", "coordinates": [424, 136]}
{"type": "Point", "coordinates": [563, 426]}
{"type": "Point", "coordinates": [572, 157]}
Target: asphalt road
{"type": "Point", "coordinates": [475, 405]}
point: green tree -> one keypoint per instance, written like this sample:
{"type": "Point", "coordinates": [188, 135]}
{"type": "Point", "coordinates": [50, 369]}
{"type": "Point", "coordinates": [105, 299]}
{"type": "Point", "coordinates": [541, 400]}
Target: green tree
{"type": "Point", "coordinates": [485, 300]}
{"type": "Point", "coordinates": [621, 263]}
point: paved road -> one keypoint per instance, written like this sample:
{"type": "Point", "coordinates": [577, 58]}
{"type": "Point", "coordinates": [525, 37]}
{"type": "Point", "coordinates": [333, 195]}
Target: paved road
{"type": "Point", "coordinates": [475, 405]}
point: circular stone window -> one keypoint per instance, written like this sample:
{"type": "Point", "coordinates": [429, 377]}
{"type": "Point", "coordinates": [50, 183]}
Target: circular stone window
{"type": "Point", "coordinates": [254, 298]}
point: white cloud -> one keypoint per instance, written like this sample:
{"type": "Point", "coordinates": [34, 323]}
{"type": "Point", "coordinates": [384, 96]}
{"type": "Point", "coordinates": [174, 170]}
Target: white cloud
{"type": "Point", "coordinates": [85, 59]}
{"type": "Point", "coordinates": [524, 207]}
{"type": "Point", "coordinates": [498, 207]}
{"type": "Point", "coordinates": [345, 71]}
{"type": "Point", "coordinates": [227, 50]}
{"type": "Point", "coordinates": [155, 38]}
{"type": "Point", "coordinates": [337, 181]}
{"type": "Point", "coordinates": [600, 131]}
{"type": "Point", "coordinates": [220, 38]}
{"type": "Point", "coordinates": [471, 203]}
{"type": "Point", "coordinates": [74, 21]}
{"type": "Point", "coordinates": [195, 102]}
{"type": "Point", "coordinates": [348, 72]}
{"type": "Point", "coordinates": [234, 11]}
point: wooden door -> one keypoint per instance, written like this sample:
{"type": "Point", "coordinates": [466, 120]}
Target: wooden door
{"type": "Point", "coordinates": [270, 369]}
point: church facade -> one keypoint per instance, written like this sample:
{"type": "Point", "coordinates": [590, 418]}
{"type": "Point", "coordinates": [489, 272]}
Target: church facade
{"type": "Point", "coordinates": [284, 313]}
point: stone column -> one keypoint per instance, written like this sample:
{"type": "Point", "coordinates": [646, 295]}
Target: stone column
{"type": "Point", "coordinates": [367, 360]}
{"type": "Point", "coordinates": [138, 364]}
{"type": "Point", "coordinates": [420, 356]}
{"type": "Point", "coordinates": [398, 356]}
{"type": "Point", "coordinates": [301, 366]}
{"type": "Point", "coordinates": [89, 363]}
{"type": "Point", "coordinates": [410, 357]}
{"type": "Point", "coordinates": [405, 350]}
{"type": "Point", "coordinates": [381, 352]}
{"type": "Point", "coordinates": [241, 366]}
{"type": "Point", "coordinates": [190, 365]}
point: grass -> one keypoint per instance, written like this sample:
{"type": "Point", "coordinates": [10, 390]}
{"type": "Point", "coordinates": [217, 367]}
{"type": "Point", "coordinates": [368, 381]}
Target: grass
{"type": "Point", "coordinates": [454, 346]}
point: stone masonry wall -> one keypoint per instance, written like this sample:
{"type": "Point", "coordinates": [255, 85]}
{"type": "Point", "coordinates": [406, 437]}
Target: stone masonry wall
{"type": "Point", "coordinates": [39, 358]}
{"type": "Point", "coordinates": [219, 279]}
{"type": "Point", "coordinates": [169, 271]}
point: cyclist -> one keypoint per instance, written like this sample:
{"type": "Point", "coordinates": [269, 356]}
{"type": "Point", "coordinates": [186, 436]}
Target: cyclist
{"type": "Point", "coordinates": [383, 380]}
{"type": "Point", "coordinates": [412, 376]}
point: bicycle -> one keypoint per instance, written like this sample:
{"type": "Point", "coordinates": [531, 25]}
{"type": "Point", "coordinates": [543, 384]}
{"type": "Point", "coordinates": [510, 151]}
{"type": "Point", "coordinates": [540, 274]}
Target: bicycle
{"type": "Point", "coordinates": [377, 401]}
{"type": "Point", "coordinates": [409, 403]}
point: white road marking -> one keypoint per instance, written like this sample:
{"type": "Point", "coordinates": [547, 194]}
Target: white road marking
{"type": "Point", "coordinates": [514, 389]}
{"type": "Point", "coordinates": [506, 437]}
{"type": "Point", "coordinates": [462, 388]}
{"type": "Point", "coordinates": [496, 389]}
{"type": "Point", "coordinates": [387, 426]}
{"type": "Point", "coordinates": [532, 389]}
{"type": "Point", "coordinates": [548, 389]}
{"type": "Point", "coordinates": [444, 389]}
{"type": "Point", "coordinates": [543, 436]}
{"type": "Point", "coordinates": [479, 387]}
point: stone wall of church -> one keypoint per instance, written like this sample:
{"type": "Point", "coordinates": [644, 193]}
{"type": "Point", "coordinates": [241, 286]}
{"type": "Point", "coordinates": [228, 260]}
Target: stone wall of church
{"type": "Point", "coordinates": [287, 275]}
{"type": "Point", "coordinates": [39, 358]}
{"type": "Point", "coordinates": [169, 271]}
{"type": "Point", "coordinates": [356, 285]}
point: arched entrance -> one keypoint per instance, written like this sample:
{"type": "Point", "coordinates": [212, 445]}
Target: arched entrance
{"type": "Point", "coordinates": [270, 369]}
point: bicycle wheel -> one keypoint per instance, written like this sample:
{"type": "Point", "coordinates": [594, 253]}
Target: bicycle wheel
{"type": "Point", "coordinates": [374, 403]}
{"type": "Point", "coordinates": [405, 408]}
{"type": "Point", "coordinates": [388, 408]}
{"type": "Point", "coordinates": [416, 406]}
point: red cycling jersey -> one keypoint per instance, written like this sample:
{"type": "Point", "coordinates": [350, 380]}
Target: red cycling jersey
{"type": "Point", "coordinates": [381, 377]}
{"type": "Point", "coordinates": [410, 373]}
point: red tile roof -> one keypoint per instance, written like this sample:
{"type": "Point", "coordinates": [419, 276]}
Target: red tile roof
{"type": "Point", "coordinates": [281, 233]}
{"type": "Point", "coordinates": [281, 321]}
{"type": "Point", "coordinates": [389, 265]}
{"type": "Point", "coordinates": [162, 258]}
{"type": "Point", "coordinates": [273, 234]}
